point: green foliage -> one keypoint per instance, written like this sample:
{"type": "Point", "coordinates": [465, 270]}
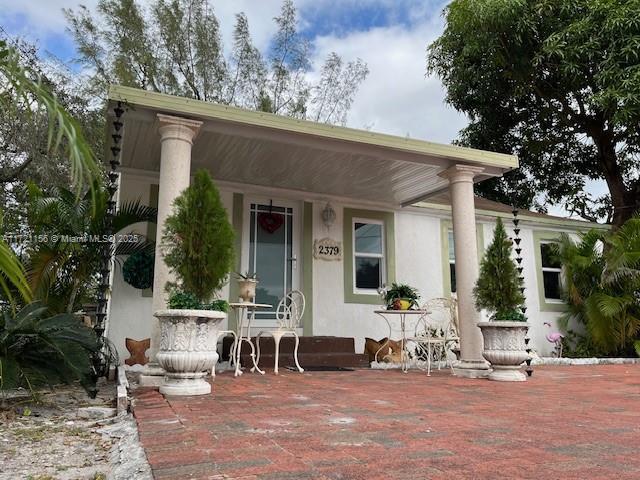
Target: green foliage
{"type": "Point", "coordinates": [558, 83]}
{"type": "Point", "coordinates": [22, 85]}
{"type": "Point", "coordinates": [23, 89]}
{"type": "Point", "coordinates": [175, 47]}
{"type": "Point", "coordinates": [137, 270]}
{"type": "Point", "coordinates": [247, 275]}
{"type": "Point", "coordinates": [188, 301]}
{"type": "Point", "coordinates": [401, 291]}
{"type": "Point", "coordinates": [601, 285]}
{"type": "Point", "coordinates": [37, 349]}
{"type": "Point", "coordinates": [199, 240]}
{"type": "Point", "coordinates": [498, 287]}
{"type": "Point", "coordinates": [71, 233]}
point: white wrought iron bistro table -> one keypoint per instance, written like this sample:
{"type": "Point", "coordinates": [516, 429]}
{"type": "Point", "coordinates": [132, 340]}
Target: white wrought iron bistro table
{"type": "Point", "coordinates": [245, 311]}
{"type": "Point", "coordinates": [400, 315]}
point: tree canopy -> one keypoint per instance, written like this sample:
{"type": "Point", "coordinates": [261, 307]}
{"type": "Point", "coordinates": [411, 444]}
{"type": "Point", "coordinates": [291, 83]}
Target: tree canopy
{"type": "Point", "coordinates": [558, 83]}
{"type": "Point", "coordinates": [175, 47]}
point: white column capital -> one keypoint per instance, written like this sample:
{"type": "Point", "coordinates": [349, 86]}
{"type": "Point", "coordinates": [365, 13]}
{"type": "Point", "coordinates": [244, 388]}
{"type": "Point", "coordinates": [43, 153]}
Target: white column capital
{"type": "Point", "coordinates": [178, 128]}
{"type": "Point", "coordinates": [461, 173]}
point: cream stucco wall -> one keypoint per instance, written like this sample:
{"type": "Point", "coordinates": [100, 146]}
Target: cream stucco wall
{"type": "Point", "coordinates": [418, 261]}
{"type": "Point", "coordinates": [130, 312]}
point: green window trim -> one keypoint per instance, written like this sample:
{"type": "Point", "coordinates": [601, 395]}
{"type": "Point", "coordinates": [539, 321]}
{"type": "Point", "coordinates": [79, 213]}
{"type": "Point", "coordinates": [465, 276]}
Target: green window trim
{"type": "Point", "coordinates": [388, 219]}
{"type": "Point", "coordinates": [237, 220]}
{"type": "Point", "coordinates": [307, 270]}
{"type": "Point", "coordinates": [445, 226]}
{"type": "Point", "coordinates": [546, 305]}
{"type": "Point", "coordinates": [154, 189]}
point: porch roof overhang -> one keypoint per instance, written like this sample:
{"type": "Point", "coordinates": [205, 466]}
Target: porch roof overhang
{"type": "Point", "coordinates": [265, 150]}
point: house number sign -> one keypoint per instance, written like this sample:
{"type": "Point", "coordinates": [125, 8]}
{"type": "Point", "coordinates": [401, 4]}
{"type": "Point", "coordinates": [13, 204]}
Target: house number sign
{"type": "Point", "coordinates": [327, 249]}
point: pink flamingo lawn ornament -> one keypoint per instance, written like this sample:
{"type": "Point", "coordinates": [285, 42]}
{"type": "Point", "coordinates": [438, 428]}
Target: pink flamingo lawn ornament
{"type": "Point", "coordinates": [556, 339]}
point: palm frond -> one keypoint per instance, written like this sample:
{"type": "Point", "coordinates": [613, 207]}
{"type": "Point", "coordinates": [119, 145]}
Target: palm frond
{"type": "Point", "coordinates": [62, 126]}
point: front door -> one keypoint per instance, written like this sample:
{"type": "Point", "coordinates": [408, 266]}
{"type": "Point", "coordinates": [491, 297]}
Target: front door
{"type": "Point", "coordinates": [272, 253]}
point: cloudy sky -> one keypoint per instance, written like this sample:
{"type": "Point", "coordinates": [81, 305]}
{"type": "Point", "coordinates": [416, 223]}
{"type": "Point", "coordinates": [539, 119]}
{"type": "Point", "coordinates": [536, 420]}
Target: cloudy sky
{"type": "Point", "coordinates": [390, 35]}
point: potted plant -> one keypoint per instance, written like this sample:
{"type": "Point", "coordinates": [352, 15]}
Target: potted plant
{"type": "Point", "coordinates": [198, 248]}
{"type": "Point", "coordinates": [499, 291]}
{"type": "Point", "coordinates": [247, 286]}
{"type": "Point", "coordinates": [401, 297]}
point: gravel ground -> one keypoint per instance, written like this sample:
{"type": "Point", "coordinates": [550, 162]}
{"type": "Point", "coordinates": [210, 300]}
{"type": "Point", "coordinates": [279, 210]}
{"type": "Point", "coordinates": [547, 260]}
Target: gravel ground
{"type": "Point", "coordinates": [67, 436]}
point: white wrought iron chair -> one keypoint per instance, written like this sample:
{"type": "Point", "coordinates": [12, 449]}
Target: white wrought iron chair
{"type": "Point", "coordinates": [289, 315]}
{"type": "Point", "coordinates": [436, 332]}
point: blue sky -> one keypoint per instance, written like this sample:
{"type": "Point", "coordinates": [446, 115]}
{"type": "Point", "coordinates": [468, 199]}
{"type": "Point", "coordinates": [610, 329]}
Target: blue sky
{"type": "Point", "coordinates": [390, 35]}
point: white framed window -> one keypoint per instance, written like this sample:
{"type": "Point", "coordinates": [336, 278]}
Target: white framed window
{"type": "Point", "coordinates": [551, 272]}
{"type": "Point", "coordinates": [369, 261]}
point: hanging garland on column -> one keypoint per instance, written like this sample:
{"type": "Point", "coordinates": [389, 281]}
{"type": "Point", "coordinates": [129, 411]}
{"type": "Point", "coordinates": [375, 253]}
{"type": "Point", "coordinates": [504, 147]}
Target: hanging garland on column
{"type": "Point", "coordinates": [101, 357]}
{"type": "Point", "coordinates": [517, 240]}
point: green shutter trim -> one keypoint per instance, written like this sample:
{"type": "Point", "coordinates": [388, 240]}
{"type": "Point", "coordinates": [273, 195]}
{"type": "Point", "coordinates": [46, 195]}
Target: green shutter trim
{"type": "Point", "coordinates": [545, 305]}
{"type": "Point", "coordinates": [151, 227]}
{"type": "Point", "coordinates": [390, 252]}
{"type": "Point", "coordinates": [445, 226]}
{"type": "Point", "coordinates": [237, 222]}
{"type": "Point", "coordinates": [307, 268]}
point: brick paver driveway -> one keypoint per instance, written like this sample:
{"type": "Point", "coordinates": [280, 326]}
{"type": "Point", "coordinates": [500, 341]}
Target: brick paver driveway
{"type": "Point", "coordinates": [565, 423]}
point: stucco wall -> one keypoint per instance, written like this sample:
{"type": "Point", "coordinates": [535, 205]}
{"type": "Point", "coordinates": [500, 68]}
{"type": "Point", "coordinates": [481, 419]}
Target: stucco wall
{"type": "Point", "coordinates": [130, 310]}
{"type": "Point", "coordinates": [418, 262]}
{"type": "Point", "coordinates": [417, 245]}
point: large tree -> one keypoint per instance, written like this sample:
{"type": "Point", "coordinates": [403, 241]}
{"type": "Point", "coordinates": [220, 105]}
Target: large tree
{"type": "Point", "coordinates": [558, 83]}
{"type": "Point", "coordinates": [174, 46]}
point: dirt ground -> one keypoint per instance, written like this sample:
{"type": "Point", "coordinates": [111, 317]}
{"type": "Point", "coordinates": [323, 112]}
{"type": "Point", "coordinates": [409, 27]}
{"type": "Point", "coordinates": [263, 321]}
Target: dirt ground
{"type": "Point", "coordinates": [66, 436]}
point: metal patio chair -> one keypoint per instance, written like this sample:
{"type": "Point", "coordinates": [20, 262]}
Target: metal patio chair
{"type": "Point", "coordinates": [436, 332]}
{"type": "Point", "coordinates": [289, 315]}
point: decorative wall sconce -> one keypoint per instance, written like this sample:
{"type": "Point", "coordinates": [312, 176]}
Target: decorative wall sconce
{"type": "Point", "coordinates": [328, 215]}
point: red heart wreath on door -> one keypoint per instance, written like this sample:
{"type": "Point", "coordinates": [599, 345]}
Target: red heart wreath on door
{"type": "Point", "coordinates": [270, 222]}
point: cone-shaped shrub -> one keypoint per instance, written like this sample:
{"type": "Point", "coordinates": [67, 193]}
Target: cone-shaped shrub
{"type": "Point", "coordinates": [498, 287]}
{"type": "Point", "coordinates": [198, 241]}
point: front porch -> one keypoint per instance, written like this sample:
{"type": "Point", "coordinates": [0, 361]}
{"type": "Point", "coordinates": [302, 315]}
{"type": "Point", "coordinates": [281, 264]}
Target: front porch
{"type": "Point", "coordinates": [566, 422]}
{"type": "Point", "coordinates": [258, 157]}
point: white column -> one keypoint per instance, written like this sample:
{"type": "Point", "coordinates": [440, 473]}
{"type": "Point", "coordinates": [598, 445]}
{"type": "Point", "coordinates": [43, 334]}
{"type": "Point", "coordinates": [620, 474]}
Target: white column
{"type": "Point", "coordinates": [176, 137]}
{"type": "Point", "coordinates": [460, 177]}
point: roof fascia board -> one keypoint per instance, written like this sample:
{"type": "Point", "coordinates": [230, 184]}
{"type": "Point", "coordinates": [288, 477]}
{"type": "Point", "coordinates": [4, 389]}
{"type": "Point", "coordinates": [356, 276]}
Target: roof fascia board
{"type": "Point", "coordinates": [190, 107]}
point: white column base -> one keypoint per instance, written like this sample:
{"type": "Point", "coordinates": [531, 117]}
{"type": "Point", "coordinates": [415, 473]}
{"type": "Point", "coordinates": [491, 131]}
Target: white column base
{"type": "Point", "coordinates": [185, 384]}
{"type": "Point", "coordinates": [470, 369]}
{"type": "Point", "coordinates": [507, 374]}
{"type": "Point", "coordinates": [152, 375]}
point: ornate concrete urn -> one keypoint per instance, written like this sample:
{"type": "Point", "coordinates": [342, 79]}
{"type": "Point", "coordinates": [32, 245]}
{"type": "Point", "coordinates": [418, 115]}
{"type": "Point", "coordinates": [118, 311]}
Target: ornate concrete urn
{"type": "Point", "coordinates": [505, 349]}
{"type": "Point", "coordinates": [187, 350]}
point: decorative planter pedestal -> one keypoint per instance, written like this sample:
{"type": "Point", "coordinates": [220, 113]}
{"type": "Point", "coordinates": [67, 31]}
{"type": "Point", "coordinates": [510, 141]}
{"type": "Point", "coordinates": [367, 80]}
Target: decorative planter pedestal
{"type": "Point", "coordinates": [187, 349]}
{"type": "Point", "coordinates": [505, 349]}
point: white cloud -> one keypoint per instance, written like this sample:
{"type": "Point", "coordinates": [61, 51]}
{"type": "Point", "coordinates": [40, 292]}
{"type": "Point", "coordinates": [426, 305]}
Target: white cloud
{"type": "Point", "coordinates": [397, 98]}
{"type": "Point", "coordinates": [43, 16]}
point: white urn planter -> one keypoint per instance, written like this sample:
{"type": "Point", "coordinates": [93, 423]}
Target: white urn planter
{"type": "Point", "coordinates": [187, 350]}
{"type": "Point", "coordinates": [247, 289]}
{"type": "Point", "coordinates": [505, 349]}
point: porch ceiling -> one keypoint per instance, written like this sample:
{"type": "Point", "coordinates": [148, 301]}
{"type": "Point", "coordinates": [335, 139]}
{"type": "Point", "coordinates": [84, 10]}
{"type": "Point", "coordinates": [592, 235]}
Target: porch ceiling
{"type": "Point", "coordinates": [262, 149]}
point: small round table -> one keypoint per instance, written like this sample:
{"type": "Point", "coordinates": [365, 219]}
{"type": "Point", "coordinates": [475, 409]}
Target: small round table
{"type": "Point", "coordinates": [402, 316]}
{"type": "Point", "coordinates": [245, 310]}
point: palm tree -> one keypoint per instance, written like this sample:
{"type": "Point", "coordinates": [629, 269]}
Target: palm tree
{"type": "Point", "coordinates": [601, 284]}
{"type": "Point", "coordinates": [18, 84]}
{"type": "Point", "coordinates": [62, 268]}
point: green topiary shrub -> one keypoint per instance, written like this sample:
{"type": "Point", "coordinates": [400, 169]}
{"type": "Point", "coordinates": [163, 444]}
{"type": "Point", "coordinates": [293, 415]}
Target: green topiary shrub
{"type": "Point", "coordinates": [498, 287]}
{"type": "Point", "coordinates": [198, 242]}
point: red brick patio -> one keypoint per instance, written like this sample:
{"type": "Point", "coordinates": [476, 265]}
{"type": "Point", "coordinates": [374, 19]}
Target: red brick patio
{"type": "Point", "coordinates": [565, 423]}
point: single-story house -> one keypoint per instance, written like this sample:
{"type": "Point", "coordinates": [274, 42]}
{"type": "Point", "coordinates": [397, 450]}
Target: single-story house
{"type": "Point", "coordinates": [399, 209]}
